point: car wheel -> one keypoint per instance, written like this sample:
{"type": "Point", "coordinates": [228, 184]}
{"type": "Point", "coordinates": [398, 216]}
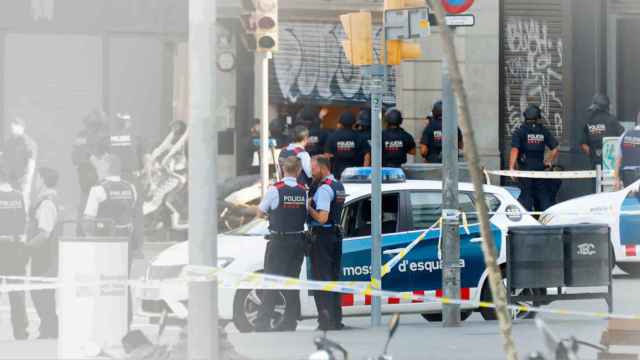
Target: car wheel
{"type": "Point", "coordinates": [489, 314]}
{"type": "Point", "coordinates": [437, 317]}
{"type": "Point", "coordinates": [633, 269]}
{"type": "Point", "coordinates": [245, 312]}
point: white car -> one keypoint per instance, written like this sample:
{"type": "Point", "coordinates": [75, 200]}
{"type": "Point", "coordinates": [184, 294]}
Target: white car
{"type": "Point", "coordinates": [409, 207]}
{"type": "Point", "coordinates": [606, 209]}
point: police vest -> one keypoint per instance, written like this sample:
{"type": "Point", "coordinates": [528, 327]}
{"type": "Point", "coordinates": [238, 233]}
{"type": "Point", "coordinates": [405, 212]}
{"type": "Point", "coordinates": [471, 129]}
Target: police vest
{"type": "Point", "coordinates": [631, 149]}
{"type": "Point", "coordinates": [393, 148]}
{"type": "Point", "coordinates": [534, 144]}
{"type": "Point", "coordinates": [12, 213]}
{"type": "Point", "coordinates": [435, 149]}
{"type": "Point", "coordinates": [124, 146]}
{"type": "Point", "coordinates": [291, 213]}
{"type": "Point", "coordinates": [316, 141]}
{"type": "Point", "coordinates": [284, 154]}
{"type": "Point", "coordinates": [49, 251]}
{"type": "Point", "coordinates": [119, 204]}
{"type": "Point", "coordinates": [339, 197]}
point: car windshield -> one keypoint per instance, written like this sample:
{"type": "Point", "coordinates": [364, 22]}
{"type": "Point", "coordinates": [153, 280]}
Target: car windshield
{"type": "Point", "coordinates": [256, 227]}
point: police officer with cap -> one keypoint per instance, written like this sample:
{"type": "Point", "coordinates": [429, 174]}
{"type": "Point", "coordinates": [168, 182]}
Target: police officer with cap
{"type": "Point", "coordinates": [431, 140]}
{"type": "Point", "coordinates": [308, 118]}
{"type": "Point", "coordinates": [528, 145]}
{"type": "Point", "coordinates": [346, 147]}
{"type": "Point", "coordinates": [285, 203]}
{"type": "Point", "coordinates": [600, 124]}
{"type": "Point", "coordinates": [297, 149]}
{"type": "Point", "coordinates": [628, 161]}
{"type": "Point", "coordinates": [363, 124]}
{"type": "Point", "coordinates": [396, 142]}
{"type": "Point", "coordinates": [325, 210]}
{"type": "Point", "coordinates": [13, 253]}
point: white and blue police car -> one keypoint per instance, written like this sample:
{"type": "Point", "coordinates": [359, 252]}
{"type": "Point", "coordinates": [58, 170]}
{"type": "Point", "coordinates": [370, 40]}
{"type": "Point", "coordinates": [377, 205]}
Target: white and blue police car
{"type": "Point", "coordinates": [408, 208]}
{"type": "Point", "coordinates": [620, 210]}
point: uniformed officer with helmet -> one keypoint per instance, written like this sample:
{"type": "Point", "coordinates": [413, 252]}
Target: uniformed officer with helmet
{"type": "Point", "coordinates": [628, 161]}
{"type": "Point", "coordinates": [13, 253]}
{"type": "Point", "coordinates": [346, 147]}
{"type": "Point", "coordinates": [285, 204]}
{"type": "Point", "coordinates": [528, 145]}
{"type": "Point", "coordinates": [396, 142]}
{"type": "Point", "coordinates": [432, 136]}
{"type": "Point", "coordinates": [600, 124]}
{"type": "Point", "coordinates": [325, 210]}
{"type": "Point", "coordinates": [363, 124]}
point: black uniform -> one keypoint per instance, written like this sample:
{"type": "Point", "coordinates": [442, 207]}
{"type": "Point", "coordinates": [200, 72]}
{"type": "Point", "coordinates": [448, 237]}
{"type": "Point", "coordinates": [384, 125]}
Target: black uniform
{"type": "Point", "coordinates": [326, 256]}
{"type": "Point", "coordinates": [432, 138]}
{"type": "Point", "coordinates": [599, 125]}
{"type": "Point", "coordinates": [531, 142]}
{"type": "Point", "coordinates": [396, 144]}
{"type": "Point", "coordinates": [317, 140]}
{"type": "Point", "coordinates": [348, 149]}
{"type": "Point", "coordinates": [14, 256]}
{"type": "Point", "coordinates": [284, 253]}
{"type": "Point", "coordinates": [44, 263]}
{"type": "Point", "coordinates": [630, 154]}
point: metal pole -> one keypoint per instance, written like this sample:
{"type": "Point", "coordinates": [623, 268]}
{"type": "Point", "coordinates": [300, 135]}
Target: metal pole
{"type": "Point", "coordinates": [203, 297]}
{"type": "Point", "coordinates": [599, 178]}
{"type": "Point", "coordinates": [263, 93]}
{"type": "Point", "coordinates": [376, 190]}
{"type": "Point", "coordinates": [450, 206]}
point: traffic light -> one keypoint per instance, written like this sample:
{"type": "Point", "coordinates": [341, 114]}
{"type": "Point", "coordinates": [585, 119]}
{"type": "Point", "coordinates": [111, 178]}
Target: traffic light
{"type": "Point", "coordinates": [266, 21]}
{"type": "Point", "coordinates": [399, 50]}
{"type": "Point", "coordinates": [248, 22]}
{"type": "Point", "coordinates": [358, 47]}
{"type": "Point", "coordinates": [403, 4]}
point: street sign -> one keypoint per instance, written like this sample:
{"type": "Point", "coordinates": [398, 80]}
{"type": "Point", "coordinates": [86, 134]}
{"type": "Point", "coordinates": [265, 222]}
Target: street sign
{"type": "Point", "coordinates": [456, 6]}
{"type": "Point", "coordinates": [461, 20]}
{"type": "Point", "coordinates": [407, 23]}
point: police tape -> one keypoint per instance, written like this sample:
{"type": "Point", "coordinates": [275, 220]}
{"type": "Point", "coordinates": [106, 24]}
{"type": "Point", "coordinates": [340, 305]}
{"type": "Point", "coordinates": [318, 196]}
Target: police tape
{"type": "Point", "coordinates": [260, 281]}
{"type": "Point", "coordinates": [559, 175]}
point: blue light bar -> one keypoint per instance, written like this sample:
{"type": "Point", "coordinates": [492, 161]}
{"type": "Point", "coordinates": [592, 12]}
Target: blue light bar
{"type": "Point", "coordinates": [363, 175]}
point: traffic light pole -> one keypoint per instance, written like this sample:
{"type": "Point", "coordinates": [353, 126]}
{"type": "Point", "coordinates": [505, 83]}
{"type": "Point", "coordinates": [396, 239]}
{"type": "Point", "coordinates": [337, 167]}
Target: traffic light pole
{"type": "Point", "coordinates": [262, 89]}
{"type": "Point", "coordinates": [450, 204]}
{"type": "Point", "coordinates": [203, 297]}
{"type": "Point", "coordinates": [376, 73]}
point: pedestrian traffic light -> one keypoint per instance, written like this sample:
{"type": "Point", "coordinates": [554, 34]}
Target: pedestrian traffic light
{"type": "Point", "coordinates": [358, 46]}
{"type": "Point", "coordinates": [266, 25]}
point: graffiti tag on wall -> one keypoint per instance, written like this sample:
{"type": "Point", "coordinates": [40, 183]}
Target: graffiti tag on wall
{"type": "Point", "coordinates": [311, 65]}
{"type": "Point", "coordinates": [533, 72]}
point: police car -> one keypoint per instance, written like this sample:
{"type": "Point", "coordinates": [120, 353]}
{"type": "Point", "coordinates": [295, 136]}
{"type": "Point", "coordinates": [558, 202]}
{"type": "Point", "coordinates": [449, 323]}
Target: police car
{"type": "Point", "coordinates": [620, 210]}
{"type": "Point", "coordinates": [408, 208]}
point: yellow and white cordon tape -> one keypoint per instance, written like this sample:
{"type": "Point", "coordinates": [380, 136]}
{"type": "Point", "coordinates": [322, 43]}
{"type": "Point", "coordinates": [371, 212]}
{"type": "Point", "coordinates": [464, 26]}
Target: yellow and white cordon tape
{"type": "Point", "coordinates": [233, 280]}
{"type": "Point", "coordinates": [544, 174]}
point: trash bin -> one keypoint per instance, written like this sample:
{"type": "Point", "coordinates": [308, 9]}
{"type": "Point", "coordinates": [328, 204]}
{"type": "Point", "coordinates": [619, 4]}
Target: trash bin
{"type": "Point", "coordinates": [587, 255]}
{"type": "Point", "coordinates": [434, 171]}
{"type": "Point", "coordinates": [535, 257]}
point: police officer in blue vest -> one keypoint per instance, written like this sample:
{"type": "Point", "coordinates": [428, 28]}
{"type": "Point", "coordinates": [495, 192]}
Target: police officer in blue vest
{"type": "Point", "coordinates": [396, 142]}
{"type": "Point", "coordinates": [431, 140]}
{"type": "Point", "coordinates": [13, 253]}
{"type": "Point", "coordinates": [600, 123]}
{"type": "Point", "coordinates": [346, 147]}
{"type": "Point", "coordinates": [528, 146]}
{"type": "Point", "coordinates": [297, 149]}
{"type": "Point", "coordinates": [285, 205]}
{"type": "Point", "coordinates": [325, 211]}
{"type": "Point", "coordinates": [628, 161]}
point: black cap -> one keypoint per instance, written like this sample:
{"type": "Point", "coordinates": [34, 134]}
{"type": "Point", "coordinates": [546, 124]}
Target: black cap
{"type": "Point", "coordinates": [436, 110]}
{"type": "Point", "coordinates": [393, 117]}
{"type": "Point", "coordinates": [533, 112]}
{"type": "Point", "coordinates": [347, 119]}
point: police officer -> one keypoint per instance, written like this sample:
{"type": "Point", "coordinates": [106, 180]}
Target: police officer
{"type": "Point", "coordinates": [111, 205]}
{"type": "Point", "coordinates": [86, 144]}
{"type": "Point", "coordinates": [43, 248]}
{"type": "Point", "coordinates": [396, 142]}
{"type": "Point", "coordinates": [600, 124]}
{"type": "Point", "coordinates": [431, 140]}
{"type": "Point", "coordinates": [346, 147]}
{"type": "Point", "coordinates": [13, 253]}
{"type": "Point", "coordinates": [363, 124]}
{"type": "Point", "coordinates": [297, 149]}
{"type": "Point", "coordinates": [325, 210]}
{"type": "Point", "coordinates": [308, 118]}
{"type": "Point", "coordinates": [285, 204]}
{"type": "Point", "coordinates": [528, 144]}
{"type": "Point", "coordinates": [20, 153]}
{"type": "Point", "coordinates": [628, 161]}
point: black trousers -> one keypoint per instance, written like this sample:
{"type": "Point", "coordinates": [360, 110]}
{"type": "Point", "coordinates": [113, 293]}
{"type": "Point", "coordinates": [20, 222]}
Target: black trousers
{"type": "Point", "coordinates": [13, 262]}
{"type": "Point", "coordinates": [44, 263]}
{"type": "Point", "coordinates": [326, 258]}
{"type": "Point", "coordinates": [137, 238]}
{"type": "Point", "coordinates": [283, 257]}
{"type": "Point", "coordinates": [536, 194]}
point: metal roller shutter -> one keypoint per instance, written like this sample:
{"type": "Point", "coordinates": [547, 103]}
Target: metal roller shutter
{"type": "Point", "coordinates": [310, 66]}
{"type": "Point", "coordinates": [624, 6]}
{"type": "Point", "coordinates": [533, 64]}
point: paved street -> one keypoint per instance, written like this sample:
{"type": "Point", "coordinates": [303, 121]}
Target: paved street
{"type": "Point", "coordinates": [477, 339]}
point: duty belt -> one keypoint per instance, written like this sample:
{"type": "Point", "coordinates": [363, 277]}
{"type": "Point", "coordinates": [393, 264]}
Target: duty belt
{"type": "Point", "coordinates": [286, 233]}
